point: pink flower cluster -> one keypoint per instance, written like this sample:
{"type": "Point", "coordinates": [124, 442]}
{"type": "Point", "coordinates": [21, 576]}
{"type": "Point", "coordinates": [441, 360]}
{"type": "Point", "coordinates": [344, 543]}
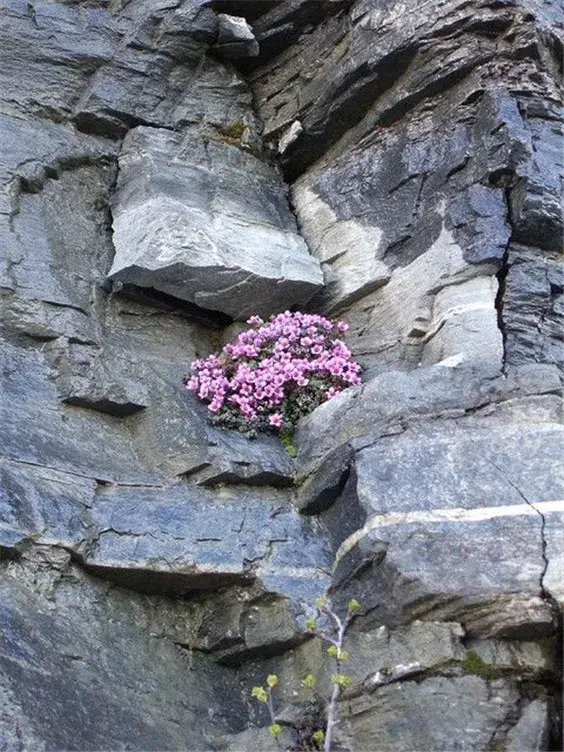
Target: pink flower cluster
{"type": "Point", "coordinates": [276, 372]}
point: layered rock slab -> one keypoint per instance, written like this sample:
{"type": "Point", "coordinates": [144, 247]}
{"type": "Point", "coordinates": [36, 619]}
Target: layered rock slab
{"type": "Point", "coordinates": [175, 538]}
{"type": "Point", "coordinates": [207, 222]}
{"type": "Point", "coordinates": [420, 149]}
{"type": "Point", "coordinates": [108, 71]}
{"type": "Point", "coordinates": [439, 500]}
{"type": "Point", "coordinates": [82, 667]}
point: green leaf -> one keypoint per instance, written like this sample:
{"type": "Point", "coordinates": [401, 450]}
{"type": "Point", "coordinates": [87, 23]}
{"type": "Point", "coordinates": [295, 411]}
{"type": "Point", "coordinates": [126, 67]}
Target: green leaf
{"type": "Point", "coordinates": [272, 680]}
{"type": "Point", "coordinates": [275, 730]}
{"type": "Point", "coordinates": [318, 737]}
{"type": "Point", "coordinates": [321, 603]}
{"type": "Point", "coordinates": [309, 681]}
{"type": "Point", "coordinates": [333, 651]}
{"type": "Point", "coordinates": [310, 624]}
{"type": "Point", "coordinates": [341, 680]}
{"type": "Point", "coordinates": [260, 694]}
{"type": "Point", "coordinates": [353, 606]}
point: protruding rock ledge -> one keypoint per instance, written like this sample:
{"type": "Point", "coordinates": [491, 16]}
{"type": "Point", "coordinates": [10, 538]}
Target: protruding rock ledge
{"type": "Point", "coordinates": [205, 221]}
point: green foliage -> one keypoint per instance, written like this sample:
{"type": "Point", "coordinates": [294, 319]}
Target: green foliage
{"type": "Point", "coordinates": [332, 631]}
{"type": "Point", "coordinates": [260, 694]}
{"type": "Point", "coordinates": [233, 132]}
{"type": "Point", "coordinates": [341, 680]}
{"type": "Point", "coordinates": [309, 681]}
{"type": "Point", "coordinates": [318, 736]}
{"type": "Point", "coordinates": [286, 439]}
{"type": "Point", "coordinates": [275, 729]}
{"type": "Point", "coordinates": [474, 665]}
{"type": "Point", "coordinates": [335, 652]}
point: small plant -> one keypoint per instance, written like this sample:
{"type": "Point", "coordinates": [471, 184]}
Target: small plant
{"type": "Point", "coordinates": [333, 632]}
{"type": "Point", "coordinates": [275, 373]}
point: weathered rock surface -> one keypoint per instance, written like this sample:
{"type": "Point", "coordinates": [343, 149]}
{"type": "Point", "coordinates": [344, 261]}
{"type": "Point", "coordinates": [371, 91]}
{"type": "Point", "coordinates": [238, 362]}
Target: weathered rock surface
{"type": "Point", "coordinates": [66, 637]}
{"type": "Point", "coordinates": [200, 219]}
{"type": "Point", "coordinates": [440, 501]}
{"type": "Point", "coordinates": [153, 569]}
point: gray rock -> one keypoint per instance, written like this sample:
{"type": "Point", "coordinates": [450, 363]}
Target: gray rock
{"type": "Point", "coordinates": [531, 660]}
{"type": "Point", "coordinates": [439, 469]}
{"type": "Point", "coordinates": [38, 430]}
{"type": "Point", "coordinates": [242, 623]}
{"type": "Point", "coordinates": [45, 503]}
{"type": "Point", "coordinates": [426, 646]}
{"type": "Point", "coordinates": [444, 500]}
{"type": "Point", "coordinates": [416, 175]}
{"type": "Point", "coordinates": [235, 38]}
{"type": "Point", "coordinates": [221, 237]}
{"type": "Point", "coordinates": [109, 71]}
{"type": "Point", "coordinates": [553, 578]}
{"type": "Point", "coordinates": [88, 378]}
{"type": "Point", "coordinates": [438, 714]}
{"type": "Point", "coordinates": [334, 78]}
{"type": "Point", "coordinates": [280, 24]}
{"type": "Point", "coordinates": [48, 176]}
{"type": "Point", "coordinates": [530, 733]}
{"type": "Point", "coordinates": [168, 539]}
{"type": "Point", "coordinates": [123, 687]}
{"type": "Point", "coordinates": [426, 144]}
{"type": "Point", "coordinates": [533, 307]}
{"type": "Point", "coordinates": [388, 403]}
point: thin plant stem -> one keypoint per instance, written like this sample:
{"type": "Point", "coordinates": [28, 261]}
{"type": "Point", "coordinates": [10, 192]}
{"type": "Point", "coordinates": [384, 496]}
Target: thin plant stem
{"type": "Point", "coordinates": [271, 711]}
{"type": "Point", "coordinates": [332, 719]}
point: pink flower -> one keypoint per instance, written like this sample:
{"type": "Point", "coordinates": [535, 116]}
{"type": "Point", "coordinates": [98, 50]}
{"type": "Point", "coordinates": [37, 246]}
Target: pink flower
{"type": "Point", "coordinates": [274, 363]}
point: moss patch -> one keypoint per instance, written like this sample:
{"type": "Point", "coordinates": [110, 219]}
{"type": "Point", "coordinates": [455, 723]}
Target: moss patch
{"type": "Point", "coordinates": [474, 665]}
{"type": "Point", "coordinates": [286, 440]}
{"type": "Point", "coordinates": [230, 134]}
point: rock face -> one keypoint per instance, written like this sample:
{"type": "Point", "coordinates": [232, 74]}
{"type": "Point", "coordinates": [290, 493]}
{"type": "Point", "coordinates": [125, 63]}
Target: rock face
{"type": "Point", "coordinates": [198, 218]}
{"type": "Point", "coordinates": [396, 165]}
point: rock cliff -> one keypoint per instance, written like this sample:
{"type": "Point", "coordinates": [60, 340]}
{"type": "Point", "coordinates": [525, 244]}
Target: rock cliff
{"type": "Point", "coordinates": [169, 167]}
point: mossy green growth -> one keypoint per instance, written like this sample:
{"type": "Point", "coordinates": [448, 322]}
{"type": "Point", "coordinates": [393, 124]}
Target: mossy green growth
{"type": "Point", "coordinates": [235, 130]}
{"type": "Point", "coordinates": [230, 134]}
{"type": "Point", "coordinates": [474, 665]}
{"type": "Point", "coordinates": [286, 439]}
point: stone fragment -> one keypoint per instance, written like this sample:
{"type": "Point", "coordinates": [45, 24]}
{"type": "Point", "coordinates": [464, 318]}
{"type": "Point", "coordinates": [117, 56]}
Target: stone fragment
{"type": "Point", "coordinates": [89, 378]}
{"type": "Point", "coordinates": [38, 430]}
{"type": "Point", "coordinates": [530, 733]}
{"type": "Point", "coordinates": [222, 237]}
{"type": "Point", "coordinates": [388, 403]}
{"type": "Point", "coordinates": [553, 535]}
{"type": "Point", "coordinates": [235, 38]}
{"type": "Point", "coordinates": [533, 307]}
{"type": "Point", "coordinates": [434, 468]}
{"type": "Point", "coordinates": [38, 502]}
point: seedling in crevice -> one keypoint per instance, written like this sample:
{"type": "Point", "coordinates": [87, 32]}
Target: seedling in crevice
{"type": "Point", "coordinates": [333, 631]}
